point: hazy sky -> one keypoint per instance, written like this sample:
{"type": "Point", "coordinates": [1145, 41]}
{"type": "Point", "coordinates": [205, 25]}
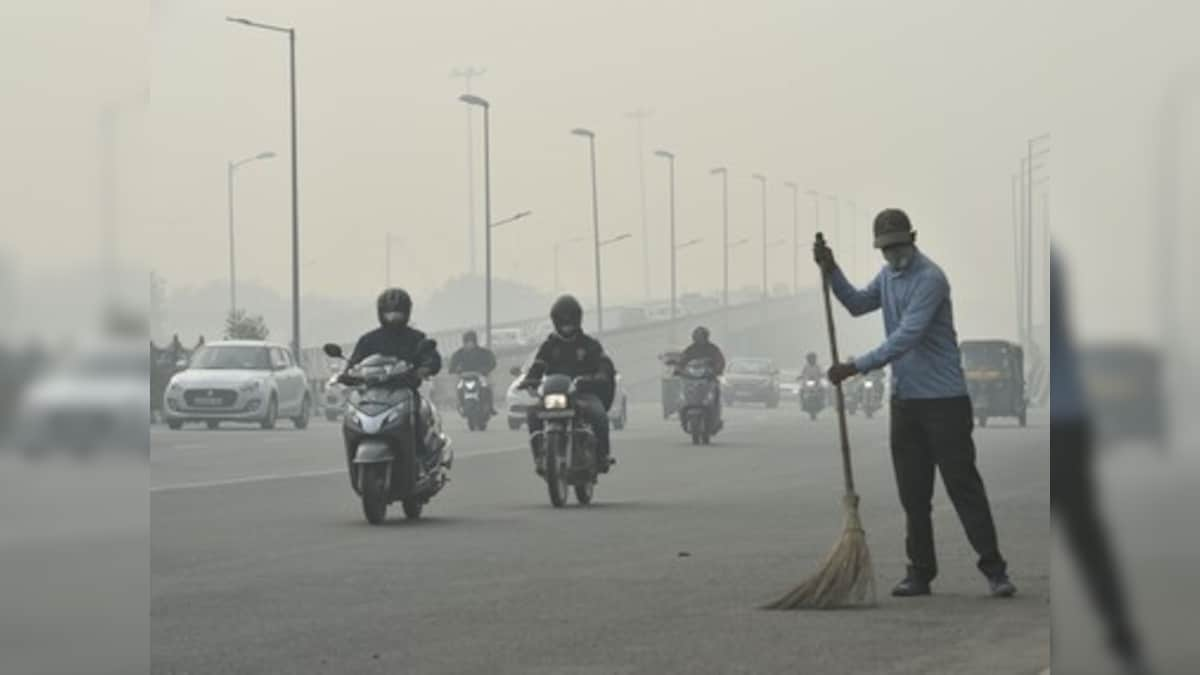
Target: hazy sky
{"type": "Point", "coordinates": [923, 105]}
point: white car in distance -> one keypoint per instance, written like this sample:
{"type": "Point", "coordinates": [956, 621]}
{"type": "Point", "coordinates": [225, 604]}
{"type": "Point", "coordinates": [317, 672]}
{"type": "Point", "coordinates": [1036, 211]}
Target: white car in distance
{"type": "Point", "coordinates": [239, 381]}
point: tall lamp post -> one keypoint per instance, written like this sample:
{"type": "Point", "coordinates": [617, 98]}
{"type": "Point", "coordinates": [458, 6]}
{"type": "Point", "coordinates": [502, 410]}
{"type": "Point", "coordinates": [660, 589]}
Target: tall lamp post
{"type": "Point", "coordinates": [670, 157]}
{"type": "Point", "coordinates": [291, 33]}
{"type": "Point", "coordinates": [467, 74]}
{"type": "Point", "coordinates": [763, 182]}
{"type": "Point", "coordinates": [230, 169]}
{"type": "Point", "coordinates": [724, 174]}
{"type": "Point", "coordinates": [795, 236]}
{"type": "Point", "coordinates": [591, 138]}
{"type": "Point", "coordinates": [471, 99]}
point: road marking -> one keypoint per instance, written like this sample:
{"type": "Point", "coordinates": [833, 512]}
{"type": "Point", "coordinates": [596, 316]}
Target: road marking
{"type": "Point", "coordinates": [306, 474]}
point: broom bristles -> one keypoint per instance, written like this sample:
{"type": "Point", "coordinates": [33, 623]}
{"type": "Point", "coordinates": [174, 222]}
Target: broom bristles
{"type": "Point", "coordinates": [845, 579]}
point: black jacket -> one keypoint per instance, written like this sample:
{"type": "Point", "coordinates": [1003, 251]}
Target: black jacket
{"type": "Point", "coordinates": [582, 356]}
{"type": "Point", "coordinates": [708, 351]}
{"type": "Point", "coordinates": [404, 343]}
{"type": "Point", "coordinates": [473, 360]}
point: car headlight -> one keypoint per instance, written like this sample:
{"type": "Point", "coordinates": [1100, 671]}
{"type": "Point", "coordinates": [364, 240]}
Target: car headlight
{"type": "Point", "coordinates": [250, 386]}
{"type": "Point", "coordinates": [175, 386]}
{"type": "Point", "coordinates": [555, 401]}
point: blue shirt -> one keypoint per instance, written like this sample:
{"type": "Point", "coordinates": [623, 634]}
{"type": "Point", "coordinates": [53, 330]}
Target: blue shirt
{"type": "Point", "coordinates": [1066, 394]}
{"type": "Point", "coordinates": [921, 345]}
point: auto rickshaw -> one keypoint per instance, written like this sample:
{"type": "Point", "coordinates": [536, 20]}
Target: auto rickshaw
{"type": "Point", "coordinates": [672, 385]}
{"type": "Point", "coordinates": [995, 371]}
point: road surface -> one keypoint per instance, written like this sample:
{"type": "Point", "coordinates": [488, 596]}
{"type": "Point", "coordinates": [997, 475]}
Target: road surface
{"type": "Point", "coordinates": [261, 561]}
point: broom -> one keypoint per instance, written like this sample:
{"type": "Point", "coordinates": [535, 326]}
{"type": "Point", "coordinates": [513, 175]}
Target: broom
{"type": "Point", "coordinates": [846, 578]}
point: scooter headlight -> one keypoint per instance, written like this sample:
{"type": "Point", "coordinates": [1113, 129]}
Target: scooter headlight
{"type": "Point", "coordinates": [869, 385]}
{"type": "Point", "coordinates": [555, 401]}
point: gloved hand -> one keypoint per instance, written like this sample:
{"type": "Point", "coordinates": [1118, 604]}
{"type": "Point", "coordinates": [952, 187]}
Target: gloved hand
{"type": "Point", "coordinates": [823, 256]}
{"type": "Point", "coordinates": [838, 372]}
{"type": "Point", "coordinates": [347, 379]}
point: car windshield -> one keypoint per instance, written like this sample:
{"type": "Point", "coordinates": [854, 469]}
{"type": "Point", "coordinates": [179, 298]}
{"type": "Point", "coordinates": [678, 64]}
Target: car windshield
{"type": "Point", "coordinates": [231, 357]}
{"type": "Point", "coordinates": [985, 357]}
{"type": "Point", "coordinates": [750, 367]}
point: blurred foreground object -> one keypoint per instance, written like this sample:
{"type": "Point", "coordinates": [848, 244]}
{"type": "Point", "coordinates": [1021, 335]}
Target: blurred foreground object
{"type": "Point", "coordinates": [1073, 495]}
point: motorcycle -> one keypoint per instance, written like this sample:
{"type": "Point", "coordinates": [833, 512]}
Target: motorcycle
{"type": "Point", "coordinates": [812, 397]}
{"type": "Point", "coordinates": [872, 397]}
{"type": "Point", "coordinates": [852, 390]}
{"type": "Point", "coordinates": [565, 451]}
{"type": "Point", "coordinates": [380, 431]}
{"type": "Point", "coordinates": [471, 406]}
{"type": "Point", "coordinates": [698, 401]}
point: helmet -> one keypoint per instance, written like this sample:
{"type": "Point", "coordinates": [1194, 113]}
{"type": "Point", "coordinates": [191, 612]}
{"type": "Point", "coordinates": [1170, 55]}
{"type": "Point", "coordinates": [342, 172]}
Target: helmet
{"type": "Point", "coordinates": [396, 302]}
{"type": "Point", "coordinates": [470, 336]}
{"type": "Point", "coordinates": [566, 312]}
{"type": "Point", "coordinates": [700, 335]}
{"type": "Point", "coordinates": [893, 227]}
{"type": "Point", "coordinates": [811, 357]}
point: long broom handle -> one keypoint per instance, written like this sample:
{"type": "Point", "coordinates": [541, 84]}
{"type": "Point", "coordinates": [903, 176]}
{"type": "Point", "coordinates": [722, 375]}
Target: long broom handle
{"type": "Point", "coordinates": [847, 470]}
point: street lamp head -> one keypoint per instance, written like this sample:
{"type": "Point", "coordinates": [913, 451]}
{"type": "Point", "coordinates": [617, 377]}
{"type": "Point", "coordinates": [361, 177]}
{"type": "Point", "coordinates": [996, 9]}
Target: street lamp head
{"type": "Point", "coordinates": [791, 185]}
{"type": "Point", "coordinates": [759, 176]}
{"type": "Point", "coordinates": [522, 214]}
{"type": "Point", "coordinates": [580, 131]}
{"type": "Point", "coordinates": [238, 19]}
{"type": "Point", "coordinates": [265, 155]}
{"type": "Point", "coordinates": [720, 170]}
{"type": "Point", "coordinates": [472, 99]}
{"type": "Point", "coordinates": [812, 193]}
{"type": "Point", "coordinates": [664, 153]}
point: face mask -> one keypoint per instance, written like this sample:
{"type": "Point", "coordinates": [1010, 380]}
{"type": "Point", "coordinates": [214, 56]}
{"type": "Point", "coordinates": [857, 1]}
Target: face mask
{"type": "Point", "coordinates": [568, 330]}
{"type": "Point", "coordinates": [395, 318]}
{"type": "Point", "coordinates": [898, 257]}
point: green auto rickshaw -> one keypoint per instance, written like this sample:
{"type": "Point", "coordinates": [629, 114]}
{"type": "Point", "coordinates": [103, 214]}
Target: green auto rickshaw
{"type": "Point", "coordinates": [995, 372]}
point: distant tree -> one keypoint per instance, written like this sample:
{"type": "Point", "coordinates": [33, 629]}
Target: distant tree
{"type": "Point", "coordinates": [240, 326]}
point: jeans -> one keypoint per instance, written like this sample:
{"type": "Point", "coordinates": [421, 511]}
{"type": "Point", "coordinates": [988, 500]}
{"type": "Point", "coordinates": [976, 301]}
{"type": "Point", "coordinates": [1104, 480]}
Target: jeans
{"type": "Point", "coordinates": [931, 435]}
{"type": "Point", "coordinates": [591, 409]}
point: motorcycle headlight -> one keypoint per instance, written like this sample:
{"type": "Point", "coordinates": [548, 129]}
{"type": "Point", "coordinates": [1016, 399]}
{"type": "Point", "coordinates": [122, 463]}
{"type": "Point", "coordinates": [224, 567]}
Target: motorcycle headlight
{"type": "Point", "coordinates": [555, 401]}
{"type": "Point", "coordinates": [868, 385]}
{"type": "Point", "coordinates": [250, 386]}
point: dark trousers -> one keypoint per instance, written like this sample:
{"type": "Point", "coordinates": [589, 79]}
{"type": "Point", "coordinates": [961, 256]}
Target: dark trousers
{"type": "Point", "coordinates": [1073, 505]}
{"type": "Point", "coordinates": [591, 409]}
{"type": "Point", "coordinates": [935, 434]}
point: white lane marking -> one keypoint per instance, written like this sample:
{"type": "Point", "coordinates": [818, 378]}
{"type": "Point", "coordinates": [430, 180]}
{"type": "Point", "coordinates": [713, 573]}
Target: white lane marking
{"type": "Point", "coordinates": [306, 474]}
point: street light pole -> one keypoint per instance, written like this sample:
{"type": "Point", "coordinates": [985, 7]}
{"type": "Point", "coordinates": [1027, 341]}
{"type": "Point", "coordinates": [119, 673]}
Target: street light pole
{"type": "Point", "coordinates": [591, 137]}
{"type": "Point", "coordinates": [670, 157]}
{"type": "Point", "coordinates": [231, 169]}
{"type": "Point", "coordinates": [724, 174]}
{"type": "Point", "coordinates": [468, 74]}
{"type": "Point", "coordinates": [1029, 147]}
{"type": "Point", "coordinates": [795, 236]}
{"type": "Point", "coordinates": [471, 99]}
{"type": "Point", "coordinates": [763, 181]}
{"type": "Point", "coordinates": [291, 33]}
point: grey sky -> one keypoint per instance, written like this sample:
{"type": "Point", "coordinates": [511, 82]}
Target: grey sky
{"type": "Point", "coordinates": [923, 105]}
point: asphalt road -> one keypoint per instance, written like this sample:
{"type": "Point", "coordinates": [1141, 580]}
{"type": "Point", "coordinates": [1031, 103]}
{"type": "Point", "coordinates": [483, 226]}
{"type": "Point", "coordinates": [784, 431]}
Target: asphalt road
{"type": "Point", "coordinates": [261, 561]}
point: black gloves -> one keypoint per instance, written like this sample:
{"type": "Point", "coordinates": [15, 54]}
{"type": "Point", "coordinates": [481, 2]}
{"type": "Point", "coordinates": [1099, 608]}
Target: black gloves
{"type": "Point", "coordinates": [840, 371]}
{"type": "Point", "coordinates": [823, 256]}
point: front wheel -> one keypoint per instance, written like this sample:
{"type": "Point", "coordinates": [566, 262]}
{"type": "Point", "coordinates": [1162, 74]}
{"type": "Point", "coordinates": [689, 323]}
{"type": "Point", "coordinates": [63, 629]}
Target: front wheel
{"type": "Point", "coordinates": [301, 421]}
{"type": "Point", "coordinates": [374, 493]}
{"type": "Point", "coordinates": [1021, 419]}
{"type": "Point", "coordinates": [268, 422]}
{"type": "Point", "coordinates": [983, 421]}
{"type": "Point", "coordinates": [331, 415]}
{"type": "Point", "coordinates": [868, 412]}
{"type": "Point", "coordinates": [812, 415]}
{"type": "Point", "coordinates": [174, 425]}
{"type": "Point", "coordinates": [584, 492]}
{"type": "Point", "coordinates": [556, 478]}
{"type": "Point", "coordinates": [514, 425]}
{"type": "Point", "coordinates": [213, 424]}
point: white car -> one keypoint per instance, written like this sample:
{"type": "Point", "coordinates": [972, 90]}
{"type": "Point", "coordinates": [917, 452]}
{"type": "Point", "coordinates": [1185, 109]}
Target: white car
{"type": "Point", "coordinates": [518, 401]}
{"type": "Point", "coordinates": [238, 381]}
{"type": "Point", "coordinates": [97, 398]}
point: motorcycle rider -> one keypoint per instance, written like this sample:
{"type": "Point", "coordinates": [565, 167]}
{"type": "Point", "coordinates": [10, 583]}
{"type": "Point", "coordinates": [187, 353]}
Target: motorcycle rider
{"type": "Point", "coordinates": [811, 370]}
{"type": "Point", "coordinates": [568, 351]}
{"type": "Point", "coordinates": [702, 347]}
{"type": "Point", "coordinates": [396, 338]}
{"type": "Point", "coordinates": [471, 358]}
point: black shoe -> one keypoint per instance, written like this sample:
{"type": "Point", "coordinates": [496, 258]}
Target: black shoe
{"type": "Point", "coordinates": [1001, 586]}
{"type": "Point", "coordinates": [911, 587]}
{"type": "Point", "coordinates": [604, 463]}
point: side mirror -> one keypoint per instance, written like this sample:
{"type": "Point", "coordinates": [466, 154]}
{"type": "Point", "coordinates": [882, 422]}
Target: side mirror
{"type": "Point", "coordinates": [515, 371]}
{"type": "Point", "coordinates": [332, 350]}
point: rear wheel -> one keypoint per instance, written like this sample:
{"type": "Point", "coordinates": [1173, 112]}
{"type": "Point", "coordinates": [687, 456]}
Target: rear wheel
{"type": "Point", "coordinates": [331, 415]}
{"type": "Point", "coordinates": [514, 425]}
{"type": "Point", "coordinates": [619, 423]}
{"type": "Point", "coordinates": [412, 508]}
{"type": "Point", "coordinates": [174, 425]}
{"type": "Point", "coordinates": [584, 492]}
{"type": "Point", "coordinates": [374, 493]}
{"type": "Point", "coordinates": [213, 424]}
{"type": "Point", "coordinates": [556, 479]}
{"type": "Point", "coordinates": [1021, 418]}
{"type": "Point", "coordinates": [983, 421]}
{"type": "Point", "coordinates": [812, 415]}
{"type": "Point", "coordinates": [868, 412]}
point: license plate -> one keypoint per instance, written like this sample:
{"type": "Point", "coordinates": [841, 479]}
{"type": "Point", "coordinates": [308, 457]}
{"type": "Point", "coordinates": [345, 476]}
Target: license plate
{"type": "Point", "coordinates": [207, 400]}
